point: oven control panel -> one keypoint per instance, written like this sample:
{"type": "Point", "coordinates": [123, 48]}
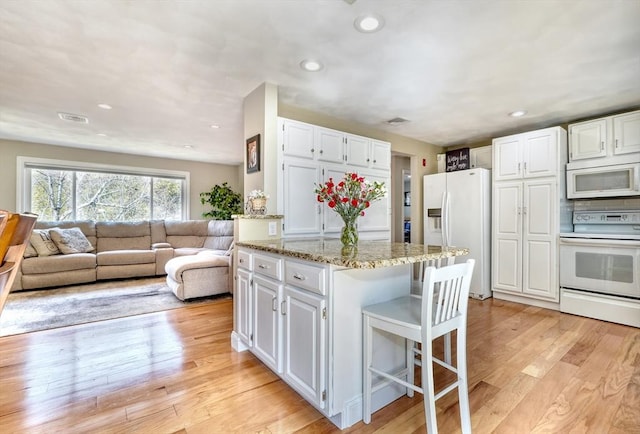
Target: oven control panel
{"type": "Point", "coordinates": [606, 217]}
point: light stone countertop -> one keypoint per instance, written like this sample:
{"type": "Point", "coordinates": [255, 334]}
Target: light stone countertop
{"type": "Point", "coordinates": [368, 254]}
{"type": "Point", "coordinates": [256, 216]}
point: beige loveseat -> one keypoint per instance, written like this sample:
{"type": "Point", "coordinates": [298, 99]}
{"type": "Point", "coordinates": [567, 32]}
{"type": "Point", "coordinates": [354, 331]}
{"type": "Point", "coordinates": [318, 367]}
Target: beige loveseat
{"type": "Point", "coordinates": [120, 250]}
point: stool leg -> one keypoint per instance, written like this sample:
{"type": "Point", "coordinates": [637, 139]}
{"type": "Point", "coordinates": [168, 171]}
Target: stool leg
{"type": "Point", "coordinates": [447, 348]}
{"type": "Point", "coordinates": [428, 388]}
{"type": "Point", "coordinates": [463, 388]}
{"type": "Point", "coordinates": [367, 355]}
{"type": "Point", "coordinates": [411, 364]}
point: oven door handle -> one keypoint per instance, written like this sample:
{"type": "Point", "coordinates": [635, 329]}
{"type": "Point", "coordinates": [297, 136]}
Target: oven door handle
{"type": "Point", "coordinates": [598, 242]}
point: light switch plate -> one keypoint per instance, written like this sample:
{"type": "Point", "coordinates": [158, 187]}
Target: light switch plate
{"type": "Point", "coordinates": [273, 229]}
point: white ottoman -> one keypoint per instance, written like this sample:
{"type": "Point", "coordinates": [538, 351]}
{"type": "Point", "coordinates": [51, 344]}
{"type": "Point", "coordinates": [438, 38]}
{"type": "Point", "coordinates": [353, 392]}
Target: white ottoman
{"type": "Point", "coordinates": [199, 275]}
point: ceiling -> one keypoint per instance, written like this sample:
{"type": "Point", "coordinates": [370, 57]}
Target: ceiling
{"type": "Point", "coordinates": [171, 69]}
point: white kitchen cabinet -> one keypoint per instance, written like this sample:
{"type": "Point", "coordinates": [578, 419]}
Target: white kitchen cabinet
{"type": "Point", "coordinates": [528, 210]}
{"type": "Point", "coordinates": [304, 343]}
{"type": "Point", "coordinates": [525, 230]}
{"type": "Point", "coordinates": [527, 155]}
{"type": "Point", "coordinates": [605, 137]}
{"type": "Point", "coordinates": [332, 153]}
{"type": "Point", "coordinates": [267, 322]}
{"type": "Point", "coordinates": [302, 212]}
{"type": "Point", "coordinates": [242, 304]}
{"type": "Point", "coordinates": [330, 144]}
{"type": "Point", "coordinates": [380, 155]}
{"type": "Point", "coordinates": [297, 139]}
{"type": "Point", "coordinates": [286, 324]}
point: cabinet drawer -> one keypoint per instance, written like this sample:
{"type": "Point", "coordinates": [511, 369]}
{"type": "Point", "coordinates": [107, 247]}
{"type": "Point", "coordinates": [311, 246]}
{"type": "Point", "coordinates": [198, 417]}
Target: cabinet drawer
{"type": "Point", "coordinates": [244, 259]}
{"type": "Point", "coordinates": [267, 266]}
{"type": "Point", "coordinates": [305, 276]}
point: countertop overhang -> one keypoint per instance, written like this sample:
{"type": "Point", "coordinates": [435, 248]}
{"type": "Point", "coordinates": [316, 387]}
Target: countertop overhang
{"type": "Point", "coordinates": [367, 254]}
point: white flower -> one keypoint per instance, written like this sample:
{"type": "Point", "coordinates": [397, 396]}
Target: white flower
{"type": "Point", "coordinates": [257, 194]}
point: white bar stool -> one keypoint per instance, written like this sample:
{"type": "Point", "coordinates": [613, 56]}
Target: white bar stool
{"type": "Point", "coordinates": [441, 310]}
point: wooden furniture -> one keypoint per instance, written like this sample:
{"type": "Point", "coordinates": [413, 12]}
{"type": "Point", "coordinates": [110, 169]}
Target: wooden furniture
{"type": "Point", "coordinates": [529, 209]}
{"type": "Point", "coordinates": [15, 231]}
{"type": "Point", "coordinates": [298, 309]}
{"type": "Point", "coordinates": [441, 310]}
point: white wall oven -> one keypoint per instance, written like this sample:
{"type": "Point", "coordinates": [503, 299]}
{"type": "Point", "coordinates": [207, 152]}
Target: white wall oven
{"type": "Point", "coordinates": [600, 266]}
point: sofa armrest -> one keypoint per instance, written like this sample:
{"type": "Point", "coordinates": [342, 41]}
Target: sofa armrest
{"type": "Point", "coordinates": [160, 246]}
{"type": "Point", "coordinates": [163, 255]}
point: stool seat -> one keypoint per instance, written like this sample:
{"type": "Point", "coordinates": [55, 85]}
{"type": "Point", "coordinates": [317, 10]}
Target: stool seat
{"type": "Point", "coordinates": [200, 275]}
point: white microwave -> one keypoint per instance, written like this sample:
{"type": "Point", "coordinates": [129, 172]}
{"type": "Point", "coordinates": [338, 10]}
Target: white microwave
{"type": "Point", "coordinates": [603, 181]}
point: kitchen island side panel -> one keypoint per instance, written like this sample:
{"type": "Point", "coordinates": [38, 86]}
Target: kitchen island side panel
{"type": "Point", "coordinates": [351, 290]}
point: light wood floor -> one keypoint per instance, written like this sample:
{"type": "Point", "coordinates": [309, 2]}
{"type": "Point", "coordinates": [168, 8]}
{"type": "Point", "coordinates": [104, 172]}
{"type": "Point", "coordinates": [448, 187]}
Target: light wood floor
{"type": "Point", "coordinates": [530, 370]}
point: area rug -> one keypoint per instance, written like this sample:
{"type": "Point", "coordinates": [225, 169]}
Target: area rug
{"type": "Point", "coordinates": [28, 311]}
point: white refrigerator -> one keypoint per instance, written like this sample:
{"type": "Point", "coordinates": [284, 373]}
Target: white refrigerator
{"type": "Point", "coordinates": [457, 212]}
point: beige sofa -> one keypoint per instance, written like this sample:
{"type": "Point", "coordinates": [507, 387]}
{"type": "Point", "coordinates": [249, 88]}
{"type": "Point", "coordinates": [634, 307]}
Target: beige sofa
{"type": "Point", "coordinates": [125, 250]}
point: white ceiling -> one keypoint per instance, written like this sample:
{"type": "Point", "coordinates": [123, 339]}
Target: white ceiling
{"type": "Point", "coordinates": [172, 68]}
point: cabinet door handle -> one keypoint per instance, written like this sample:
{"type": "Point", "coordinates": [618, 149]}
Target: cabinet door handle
{"type": "Point", "coordinates": [313, 150]}
{"type": "Point", "coordinates": [519, 210]}
{"type": "Point", "coordinates": [241, 260]}
{"type": "Point", "coordinates": [368, 160]}
{"type": "Point", "coordinates": [525, 166]}
{"type": "Point", "coordinates": [602, 146]}
{"type": "Point", "coordinates": [375, 161]}
{"type": "Point", "coordinates": [264, 267]}
{"type": "Point", "coordinates": [282, 309]}
{"type": "Point", "coordinates": [321, 151]}
{"type": "Point", "coordinates": [616, 143]}
{"type": "Point", "coordinates": [518, 167]}
{"type": "Point", "coordinates": [299, 276]}
{"type": "Point", "coordinates": [524, 210]}
{"type": "Point", "coordinates": [274, 304]}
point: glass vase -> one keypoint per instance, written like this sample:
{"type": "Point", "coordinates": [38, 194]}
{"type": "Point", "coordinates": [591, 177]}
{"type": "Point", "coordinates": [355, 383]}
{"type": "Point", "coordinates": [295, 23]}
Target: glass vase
{"type": "Point", "coordinates": [349, 235]}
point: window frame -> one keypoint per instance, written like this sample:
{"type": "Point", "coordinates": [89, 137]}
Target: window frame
{"type": "Point", "coordinates": [25, 164]}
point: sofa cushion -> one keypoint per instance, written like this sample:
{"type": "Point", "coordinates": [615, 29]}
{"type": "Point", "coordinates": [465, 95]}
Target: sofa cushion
{"type": "Point", "coordinates": [70, 240]}
{"type": "Point", "coordinates": [219, 235]}
{"type": "Point", "coordinates": [188, 227]}
{"type": "Point", "coordinates": [30, 251]}
{"type": "Point", "coordinates": [126, 257]}
{"type": "Point", "coordinates": [123, 229]}
{"type": "Point", "coordinates": [58, 263]}
{"type": "Point", "coordinates": [42, 242]}
{"type": "Point", "coordinates": [129, 243]}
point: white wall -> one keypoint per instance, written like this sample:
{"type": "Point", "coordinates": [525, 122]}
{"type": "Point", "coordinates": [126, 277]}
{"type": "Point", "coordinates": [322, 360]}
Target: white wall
{"type": "Point", "coordinates": [203, 175]}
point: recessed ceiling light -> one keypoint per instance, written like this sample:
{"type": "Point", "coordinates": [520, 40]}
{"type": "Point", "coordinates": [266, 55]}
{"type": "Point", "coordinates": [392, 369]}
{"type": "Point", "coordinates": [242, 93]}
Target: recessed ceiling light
{"type": "Point", "coordinates": [518, 113]}
{"type": "Point", "coordinates": [188, 146]}
{"type": "Point", "coordinates": [311, 65]}
{"type": "Point", "coordinates": [214, 126]}
{"type": "Point", "coordinates": [368, 23]}
{"type": "Point", "coordinates": [105, 106]}
{"type": "Point", "coordinates": [101, 134]}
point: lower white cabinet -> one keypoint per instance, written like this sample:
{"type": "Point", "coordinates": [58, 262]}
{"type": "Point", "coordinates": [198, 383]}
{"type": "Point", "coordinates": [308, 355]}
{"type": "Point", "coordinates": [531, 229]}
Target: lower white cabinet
{"type": "Point", "coordinates": [267, 322]}
{"type": "Point", "coordinates": [285, 325]}
{"type": "Point", "coordinates": [304, 341]}
{"type": "Point", "coordinates": [243, 306]}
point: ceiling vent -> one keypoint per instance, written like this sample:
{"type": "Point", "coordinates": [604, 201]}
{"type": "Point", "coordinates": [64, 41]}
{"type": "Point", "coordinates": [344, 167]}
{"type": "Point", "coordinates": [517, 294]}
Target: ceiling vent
{"type": "Point", "coordinates": [397, 121]}
{"type": "Point", "coordinates": [73, 118]}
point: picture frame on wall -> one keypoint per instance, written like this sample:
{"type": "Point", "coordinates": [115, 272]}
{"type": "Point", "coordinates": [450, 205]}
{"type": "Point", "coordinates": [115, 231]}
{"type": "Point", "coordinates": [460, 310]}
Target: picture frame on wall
{"type": "Point", "coordinates": [253, 154]}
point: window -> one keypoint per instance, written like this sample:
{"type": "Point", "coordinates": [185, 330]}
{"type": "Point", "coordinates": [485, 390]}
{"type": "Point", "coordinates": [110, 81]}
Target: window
{"type": "Point", "coordinates": [62, 190]}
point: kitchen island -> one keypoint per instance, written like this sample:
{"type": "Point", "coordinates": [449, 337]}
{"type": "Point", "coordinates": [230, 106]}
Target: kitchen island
{"type": "Point", "coordinates": [297, 307]}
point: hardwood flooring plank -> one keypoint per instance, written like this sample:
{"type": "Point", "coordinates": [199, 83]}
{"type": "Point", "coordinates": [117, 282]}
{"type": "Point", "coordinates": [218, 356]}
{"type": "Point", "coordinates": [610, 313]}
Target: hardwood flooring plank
{"type": "Point", "coordinates": [530, 370]}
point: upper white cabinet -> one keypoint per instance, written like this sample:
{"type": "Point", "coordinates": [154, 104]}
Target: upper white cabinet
{"type": "Point", "coordinates": [298, 139]}
{"type": "Point", "coordinates": [310, 155]}
{"type": "Point", "coordinates": [324, 144]}
{"type": "Point", "coordinates": [612, 135]}
{"type": "Point", "coordinates": [527, 155]}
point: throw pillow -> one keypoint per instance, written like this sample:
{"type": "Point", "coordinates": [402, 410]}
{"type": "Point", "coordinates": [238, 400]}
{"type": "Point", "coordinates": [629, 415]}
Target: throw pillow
{"type": "Point", "coordinates": [41, 241]}
{"type": "Point", "coordinates": [70, 240]}
{"type": "Point", "coordinates": [30, 251]}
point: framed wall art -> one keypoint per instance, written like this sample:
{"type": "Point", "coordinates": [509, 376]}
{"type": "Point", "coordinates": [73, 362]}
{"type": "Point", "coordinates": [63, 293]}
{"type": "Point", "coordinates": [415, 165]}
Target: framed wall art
{"type": "Point", "coordinates": [253, 154]}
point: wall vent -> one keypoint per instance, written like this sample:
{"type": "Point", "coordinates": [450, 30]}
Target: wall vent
{"type": "Point", "coordinates": [397, 121]}
{"type": "Point", "coordinates": [73, 118]}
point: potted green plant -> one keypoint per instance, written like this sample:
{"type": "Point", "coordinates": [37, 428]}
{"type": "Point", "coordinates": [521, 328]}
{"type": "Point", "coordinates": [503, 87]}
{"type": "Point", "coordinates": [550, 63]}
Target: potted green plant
{"type": "Point", "coordinates": [223, 200]}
